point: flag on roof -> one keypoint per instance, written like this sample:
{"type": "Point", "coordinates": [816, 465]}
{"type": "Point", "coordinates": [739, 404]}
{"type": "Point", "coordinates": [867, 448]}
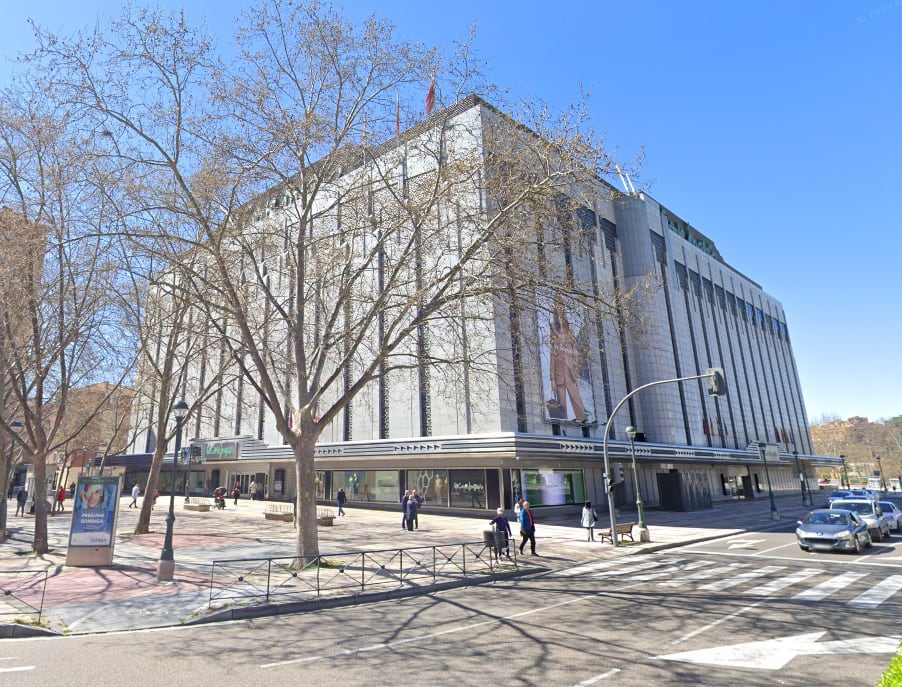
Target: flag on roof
{"type": "Point", "coordinates": [430, 97]}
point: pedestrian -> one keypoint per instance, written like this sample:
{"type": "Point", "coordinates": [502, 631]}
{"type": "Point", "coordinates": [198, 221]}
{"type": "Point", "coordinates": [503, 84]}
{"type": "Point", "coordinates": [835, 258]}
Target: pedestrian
{"type": "Point", "coordinates": [527, 529]}
{"type": "Point", "coordinates": [60, 499]}
{"type": "Point", "coordinates": [404, 500]}
{"type": "Point", "coordinates": [410, 512]}
{"type": "Point", "coordinates": [21, 498]}
{"type": "Point", "coordinates": [500, 524]}
{"type": "Point", "coordinates": [589, 518]}
{"type": "Point", "coordinates": [136, 492]}
{"type": "Point", "coordinates": [253, 490]}
{"type": "Point", "coordinates": [416, 515]}
{"type": "Point", "coordinates": [341, 498]}
{"type": "Point", "coordinates": [236, 492]}
{"type": "Point", "coordinates": [518, 506]}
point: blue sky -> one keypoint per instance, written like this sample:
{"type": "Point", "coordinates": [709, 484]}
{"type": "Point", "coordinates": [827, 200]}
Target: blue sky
{"type": "Point", "coordinates": [773, 128]}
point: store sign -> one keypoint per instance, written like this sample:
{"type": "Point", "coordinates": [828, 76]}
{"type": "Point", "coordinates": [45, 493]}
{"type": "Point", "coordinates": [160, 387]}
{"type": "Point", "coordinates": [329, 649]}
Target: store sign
{"type": "Point", "coordinates": [221, 450]}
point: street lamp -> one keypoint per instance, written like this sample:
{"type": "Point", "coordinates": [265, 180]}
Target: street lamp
{"type": "Point", "coordinates": [880, 470]}
{"type": "Point", "coordinates": [845, 472]}
{"type": "Point", "coordinates": [762, 451]}
{"type": "Point", "coordinates": [643, 530]}
{"type": "Point", "coordinates": [166, 566]}
{"type": "Point", "coordinates": [805, 502]}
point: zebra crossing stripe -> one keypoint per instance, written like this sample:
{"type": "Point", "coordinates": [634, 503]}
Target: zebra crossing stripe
{"type": "Point", "coordinates": [877, 594]}
{"type": "Point", "coordinates": [776, 585]}
{"type": "Point", "coordinates": [589, 568]}
{"type": "Point", "coordinates": [680, 567]}
{"type": "Point", "coordinates": [637, 567]}
{"type": "Point", "coordinates": [739, 579]}
{"type": "Point", "coordinates": [703, 575]}
{"type": "Point", "coordinates": [834, 584]}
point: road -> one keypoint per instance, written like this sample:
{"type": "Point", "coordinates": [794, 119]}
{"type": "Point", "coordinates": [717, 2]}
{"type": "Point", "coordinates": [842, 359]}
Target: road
{"type": "Point", "coordinates": [744, 610]}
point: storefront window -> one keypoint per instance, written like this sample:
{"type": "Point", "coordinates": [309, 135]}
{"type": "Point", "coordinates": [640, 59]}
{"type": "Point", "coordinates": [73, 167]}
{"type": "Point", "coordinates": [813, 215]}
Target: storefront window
{"type": "Point", "coordinates": [549, 487]}
{"type": "Point", "coordinates": [467, 488]}
{"type": "Point", "coordinates": [367, 485]}
{"type": "Point", "coordinates": [431, 485]}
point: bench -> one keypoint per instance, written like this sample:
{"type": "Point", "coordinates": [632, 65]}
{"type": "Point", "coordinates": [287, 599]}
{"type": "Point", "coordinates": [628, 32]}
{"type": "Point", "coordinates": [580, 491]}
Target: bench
{"type": "Point", "coordinates": [285, 513]}
{"type": "Point", "coordinates": [624, 529]}
{"type": "Point", "coordinates": [199, 504]}
{"type": "Point", "coordinates": [276, 511]}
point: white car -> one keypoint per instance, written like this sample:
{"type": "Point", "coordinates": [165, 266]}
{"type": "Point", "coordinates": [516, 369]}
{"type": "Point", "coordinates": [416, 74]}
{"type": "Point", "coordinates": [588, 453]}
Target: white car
{"type": "Point", "coordinates": [894, 513]}
{"type": "Point", "coordinates": [869, 511]}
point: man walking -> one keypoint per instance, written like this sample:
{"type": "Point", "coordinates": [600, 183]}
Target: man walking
{"type": "Point", "coordinates": [136, 492]}
{"type": "Point", "coordinates": [410, 512]}
{"type": "Point", "coordinates": [527, 528]}
{"type": "Point", "coordinates": [341, 498]}
{"type": "Point", "coordinates": [21, 498]}
{"type": "Point", "coordinates": [60, 499]}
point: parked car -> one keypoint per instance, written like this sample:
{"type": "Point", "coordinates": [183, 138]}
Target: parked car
{"type": "Point", "coordinates": [831, 529]}
{"type": "Point", "coordinates": [894, 513]}
{"type": "Point", "coordinates": [837, 495]}
{"type": "Point", "coordinates": [869, 511]}
{"type": "Point", "coordinates": [863, 494]}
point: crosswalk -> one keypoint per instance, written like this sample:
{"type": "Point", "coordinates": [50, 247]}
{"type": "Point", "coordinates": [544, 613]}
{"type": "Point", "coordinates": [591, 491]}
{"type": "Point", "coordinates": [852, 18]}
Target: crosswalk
{"type": "Point", "coordinates": [746, 578]}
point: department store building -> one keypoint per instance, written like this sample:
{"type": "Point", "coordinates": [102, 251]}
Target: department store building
{"type": "Point", "coordinates": [532, 431]}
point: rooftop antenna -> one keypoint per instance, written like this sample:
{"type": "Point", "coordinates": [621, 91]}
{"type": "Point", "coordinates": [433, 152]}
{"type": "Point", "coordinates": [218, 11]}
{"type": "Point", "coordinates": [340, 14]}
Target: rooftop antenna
{"type": "Point", "coordinates": [625, 180]}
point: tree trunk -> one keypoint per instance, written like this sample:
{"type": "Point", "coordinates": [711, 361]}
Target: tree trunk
{"type": "Point", "coordinates": [153, 480]}
{"type": "Point", "coordinates": [305, 500]}
{"type": "Point", "coordinates": [41, 544]}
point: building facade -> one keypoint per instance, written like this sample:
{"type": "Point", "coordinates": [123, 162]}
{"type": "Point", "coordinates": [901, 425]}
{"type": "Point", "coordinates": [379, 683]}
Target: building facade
{"type": "Point", "coordinates": [529, 420]}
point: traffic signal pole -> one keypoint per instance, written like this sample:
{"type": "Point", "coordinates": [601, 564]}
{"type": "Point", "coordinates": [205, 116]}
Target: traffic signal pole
{"type": "Point", "coordinates": [716, 387]}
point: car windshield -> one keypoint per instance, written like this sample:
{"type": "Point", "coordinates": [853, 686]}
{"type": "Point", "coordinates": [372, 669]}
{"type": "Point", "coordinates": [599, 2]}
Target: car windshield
{"type": "Point", "coordinates": [888, 505]}
{"type": "Point", "coordinates": [827, 518]}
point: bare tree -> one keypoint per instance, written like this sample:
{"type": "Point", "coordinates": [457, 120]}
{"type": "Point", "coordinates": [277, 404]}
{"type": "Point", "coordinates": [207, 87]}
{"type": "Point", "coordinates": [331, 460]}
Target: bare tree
{"type": "Point", "coordinates": [328, 253]}
{"type": "Point", "coordinates": [59, 315]}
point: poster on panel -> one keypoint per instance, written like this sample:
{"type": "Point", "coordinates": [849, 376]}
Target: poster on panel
{"type": "Point", "coordinates": [564, 357]}
{"type": "Point", "coordinates": [95, 509]}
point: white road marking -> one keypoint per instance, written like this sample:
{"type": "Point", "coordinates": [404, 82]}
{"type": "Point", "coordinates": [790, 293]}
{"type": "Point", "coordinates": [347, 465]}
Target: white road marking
{"type": "Point", "coordinates": [720, 585]}
{"type": "Point", "coordinates": [634, 567]}
{"type": "Point", "coordinates": [680, 567]}
{"type": "Point", "coordinates": [703, 575]}
{"type": "Point", "coordinates": [744, 543]}
{"type": "Point", "coordinates": [776, 585]}
{"type": "Point", "coordinates": [834, 584]}
{"type": "Point", "coordinates": [877, 594]}
{"type": "Point", "coordinates": [773, 654]}
{"type": "Point", "coordinates": [598, 678]}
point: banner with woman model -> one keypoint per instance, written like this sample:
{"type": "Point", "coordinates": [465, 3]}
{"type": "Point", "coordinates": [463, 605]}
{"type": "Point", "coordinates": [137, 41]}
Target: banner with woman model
{"type": "Point", "coordinates": [566, 378]}
{"type": "Point", "coordinates": [94, 512]}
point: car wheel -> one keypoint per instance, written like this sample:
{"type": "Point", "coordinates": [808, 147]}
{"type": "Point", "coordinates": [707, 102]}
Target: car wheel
{"type": "Point", "coordinates": [857, 545]}
{"type": "Point", "coordinates": [804, 548]}
{"type": "Point", "coordinates": [877, 536]}
{"type": "Point", "coordinates": [870, 542]}
{"type": "Point", "coordinates": [886, 535]}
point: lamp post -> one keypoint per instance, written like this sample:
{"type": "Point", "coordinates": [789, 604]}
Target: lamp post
{"type": "Point", "coordinates": [845, 473]}
{"type": "Point", "coordinates": [880, 470]}
{"type": "Point", "coordinates": [762, 450]}
{"type": "Point", "coordinates": [643, 529]}
{"type": "Point", "coordinates": [805, 502]}
{"type": "Point", "coordinates": [166, 566]}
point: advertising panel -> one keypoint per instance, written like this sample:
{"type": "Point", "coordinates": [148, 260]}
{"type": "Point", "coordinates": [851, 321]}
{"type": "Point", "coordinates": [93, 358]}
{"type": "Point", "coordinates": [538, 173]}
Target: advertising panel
{"type": "Point", "coordinates": [563, 355]}
{"type": "Point", "coordinates": [94, 511]}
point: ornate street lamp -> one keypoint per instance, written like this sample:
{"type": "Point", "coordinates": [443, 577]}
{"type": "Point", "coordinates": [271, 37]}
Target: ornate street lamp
{"type": "Point", "coordinates": [643, 530]}
{"type": "Point", "coordinates": [802, 485]}
{"type": "Point", "coordinates": [880, 470]}
{"type": "Point", "coordinates": [166, 566]}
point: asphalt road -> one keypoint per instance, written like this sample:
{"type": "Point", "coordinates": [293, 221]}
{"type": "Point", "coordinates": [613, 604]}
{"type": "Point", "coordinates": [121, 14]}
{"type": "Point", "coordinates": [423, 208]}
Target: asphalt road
{"type": "Point", "coordinates": [702, 615]}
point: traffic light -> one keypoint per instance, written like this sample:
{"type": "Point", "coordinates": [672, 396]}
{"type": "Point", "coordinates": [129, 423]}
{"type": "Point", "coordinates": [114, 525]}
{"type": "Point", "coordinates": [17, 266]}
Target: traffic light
{"type": "Point", "coordinates": [717, 383]}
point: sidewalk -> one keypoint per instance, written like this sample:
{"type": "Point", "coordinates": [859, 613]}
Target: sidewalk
{"type": "Point", "coordinates": [127, 596]}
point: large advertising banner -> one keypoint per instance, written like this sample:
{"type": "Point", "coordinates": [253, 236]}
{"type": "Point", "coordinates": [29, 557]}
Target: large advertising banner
{"type": "Point", "coordinates": [94, 512]}
{"type": "Point", "coordinates": [566, 372]}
